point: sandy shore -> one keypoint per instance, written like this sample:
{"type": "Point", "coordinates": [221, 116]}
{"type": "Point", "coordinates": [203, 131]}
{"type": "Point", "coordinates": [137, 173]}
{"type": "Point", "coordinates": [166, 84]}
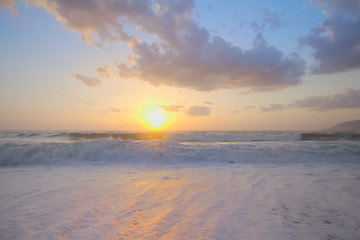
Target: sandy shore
{"type": "Point", "coordinates": [199, 202]}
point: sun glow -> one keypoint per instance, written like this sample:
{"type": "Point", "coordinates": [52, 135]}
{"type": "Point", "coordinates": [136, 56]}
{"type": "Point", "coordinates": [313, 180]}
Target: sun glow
{"type": "Point", "coordinates": [154, 117]}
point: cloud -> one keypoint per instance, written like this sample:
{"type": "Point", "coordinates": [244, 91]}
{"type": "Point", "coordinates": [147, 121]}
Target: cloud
{"type": "Point", "coordinates": [92, 17]}
{"type": "Point", "coordinates": [336, 42]}
{"type": "Point", "coordinates": [235, 111]}
{"type": "Point", "coordinates": [213, 64]}
{"type": "Point", "coordinates": [336, 45]}
{"type": "Point", "coordinates": [103, 71]}
{"type": "Point", "coordinates": [216, 64]}
{"type": "Point", "coordinates": [89, 81]}
{"type": "Point", "coordinates": [335, 7]}
{"type": "Point", "coordinates": [89, 103]}
{"type": "Point", "coordinates": [271, 20]}
{"type": "Point", "coordinates": [272, 107]}
{"type": "Point", "coordinates": [112, 110]}
{"type": "Point", "coordinates": [7, 4]}
{"type": "Point", "coordinates": [116, 110]}
{"type": "Point", "coordinates": [107, 18]}
{"type": "Point", "coordinates": [172, 108]}
{"type": "Point", "coordinates": [249, 107]}
{"type": "Point", "coordinates": [183, 53]}
{"type": "Point", "coordinates": [208, 103]}
{"type": "Point", "coordinates": [198, 111]}
{"type": "Point", "coordinates": [346, 98]}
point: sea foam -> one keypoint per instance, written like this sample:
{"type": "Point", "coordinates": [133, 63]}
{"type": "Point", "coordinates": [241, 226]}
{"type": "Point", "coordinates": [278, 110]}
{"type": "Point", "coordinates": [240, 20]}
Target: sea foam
{"type": "Point", "coordinates": [174, 148]}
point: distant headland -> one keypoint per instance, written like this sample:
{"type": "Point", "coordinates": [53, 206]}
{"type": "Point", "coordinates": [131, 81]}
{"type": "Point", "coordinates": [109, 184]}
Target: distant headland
{"type": "Point", "coordinates": [353, 126]}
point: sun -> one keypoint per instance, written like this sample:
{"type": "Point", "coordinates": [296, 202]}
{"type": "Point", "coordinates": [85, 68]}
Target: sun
{"type": "Point", "coordinates": [154, 117]}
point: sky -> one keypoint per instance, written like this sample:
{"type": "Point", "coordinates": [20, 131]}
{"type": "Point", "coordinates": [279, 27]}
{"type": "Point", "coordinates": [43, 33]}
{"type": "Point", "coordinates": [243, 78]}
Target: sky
{"type": "Point", "coordinates": [206, 65]}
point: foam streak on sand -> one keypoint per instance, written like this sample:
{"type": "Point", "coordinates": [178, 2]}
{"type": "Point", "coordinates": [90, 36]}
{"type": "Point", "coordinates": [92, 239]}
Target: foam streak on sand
{"type": "Point", "coordinates": [203, 202]}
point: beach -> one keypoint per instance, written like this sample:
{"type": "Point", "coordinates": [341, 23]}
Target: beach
{"type": "Point", "coordinates": [197, 202]}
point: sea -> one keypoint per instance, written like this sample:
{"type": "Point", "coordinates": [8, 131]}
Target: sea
{"type": "Point", "coordinates": [67, 148]}
{"type": "Point", "coordinates": [282, 185]}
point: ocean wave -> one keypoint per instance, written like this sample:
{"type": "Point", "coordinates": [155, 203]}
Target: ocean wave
{"type": "Point", "coordinates": [330, 136]}
{"type": "Point", "coordinates": [232, 136]}
{"type": "Point", "coordinates": [180, 136]}
{"type": "Point", "coordinates": [119, 151]}
{"type": "Point", "coordinates": [76, 136]}
{"type": "Point", "coordinates": [70, 136]}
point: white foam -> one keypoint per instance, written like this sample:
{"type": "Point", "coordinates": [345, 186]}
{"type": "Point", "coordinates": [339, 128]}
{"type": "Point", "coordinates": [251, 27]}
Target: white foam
{"type": "Point", "coordinates": [170, 152]}
{"type": "Point", "coordinates": [233, 136]}
{"type": "Point", "coordinates": [227, 202]}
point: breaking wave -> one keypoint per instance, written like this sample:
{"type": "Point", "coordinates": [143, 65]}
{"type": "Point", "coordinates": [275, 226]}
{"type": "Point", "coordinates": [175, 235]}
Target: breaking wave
{"type": "Point", "coordinates": [101, 148]}
{"type": "Point", "coordinates": [189, 136]}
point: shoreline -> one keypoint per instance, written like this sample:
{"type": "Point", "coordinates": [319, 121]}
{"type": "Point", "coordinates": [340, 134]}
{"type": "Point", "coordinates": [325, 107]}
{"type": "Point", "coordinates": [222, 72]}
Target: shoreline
{"type": "Point", "coordinates": [222, 201]}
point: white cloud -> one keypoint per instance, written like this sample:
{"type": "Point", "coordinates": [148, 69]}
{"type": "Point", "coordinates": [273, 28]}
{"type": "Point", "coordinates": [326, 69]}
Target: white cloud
{"type": "Point", "coordinates": [104, 71]}
{"type": "Point", "coordinates": [213, 64]}
{"type": "Point", "coordinates": [184, 54]}
{"type": "Point", "coordinates": [336, 7]}
{"type": "Point", "coordinates": [336, 45]}
{"type": "Point", "coordinates": [7, 4]}
{"type": "Point", "coordinates": [346, 98]}
{"type": "Point", "coordinates": [113, 110]}
{"type": "Point", "coordinates": [208, 103]}
{"type": "Point", "coordinates": [89, 81]}
{"type": "Point", "coordinates": [336, 41]}
{"type": "Point", "coordinates": [198, 111]}
{"type": "Point", "coordinates": [249, 107]}
{"type": "Point", "coordinates": [235, 111]}
{"type": "Point", "coordinates": [272, 107]}
{"type": "Point", "coordinates": [271, 20]}
{"type": "Point", "coordinates": [91, 17]}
